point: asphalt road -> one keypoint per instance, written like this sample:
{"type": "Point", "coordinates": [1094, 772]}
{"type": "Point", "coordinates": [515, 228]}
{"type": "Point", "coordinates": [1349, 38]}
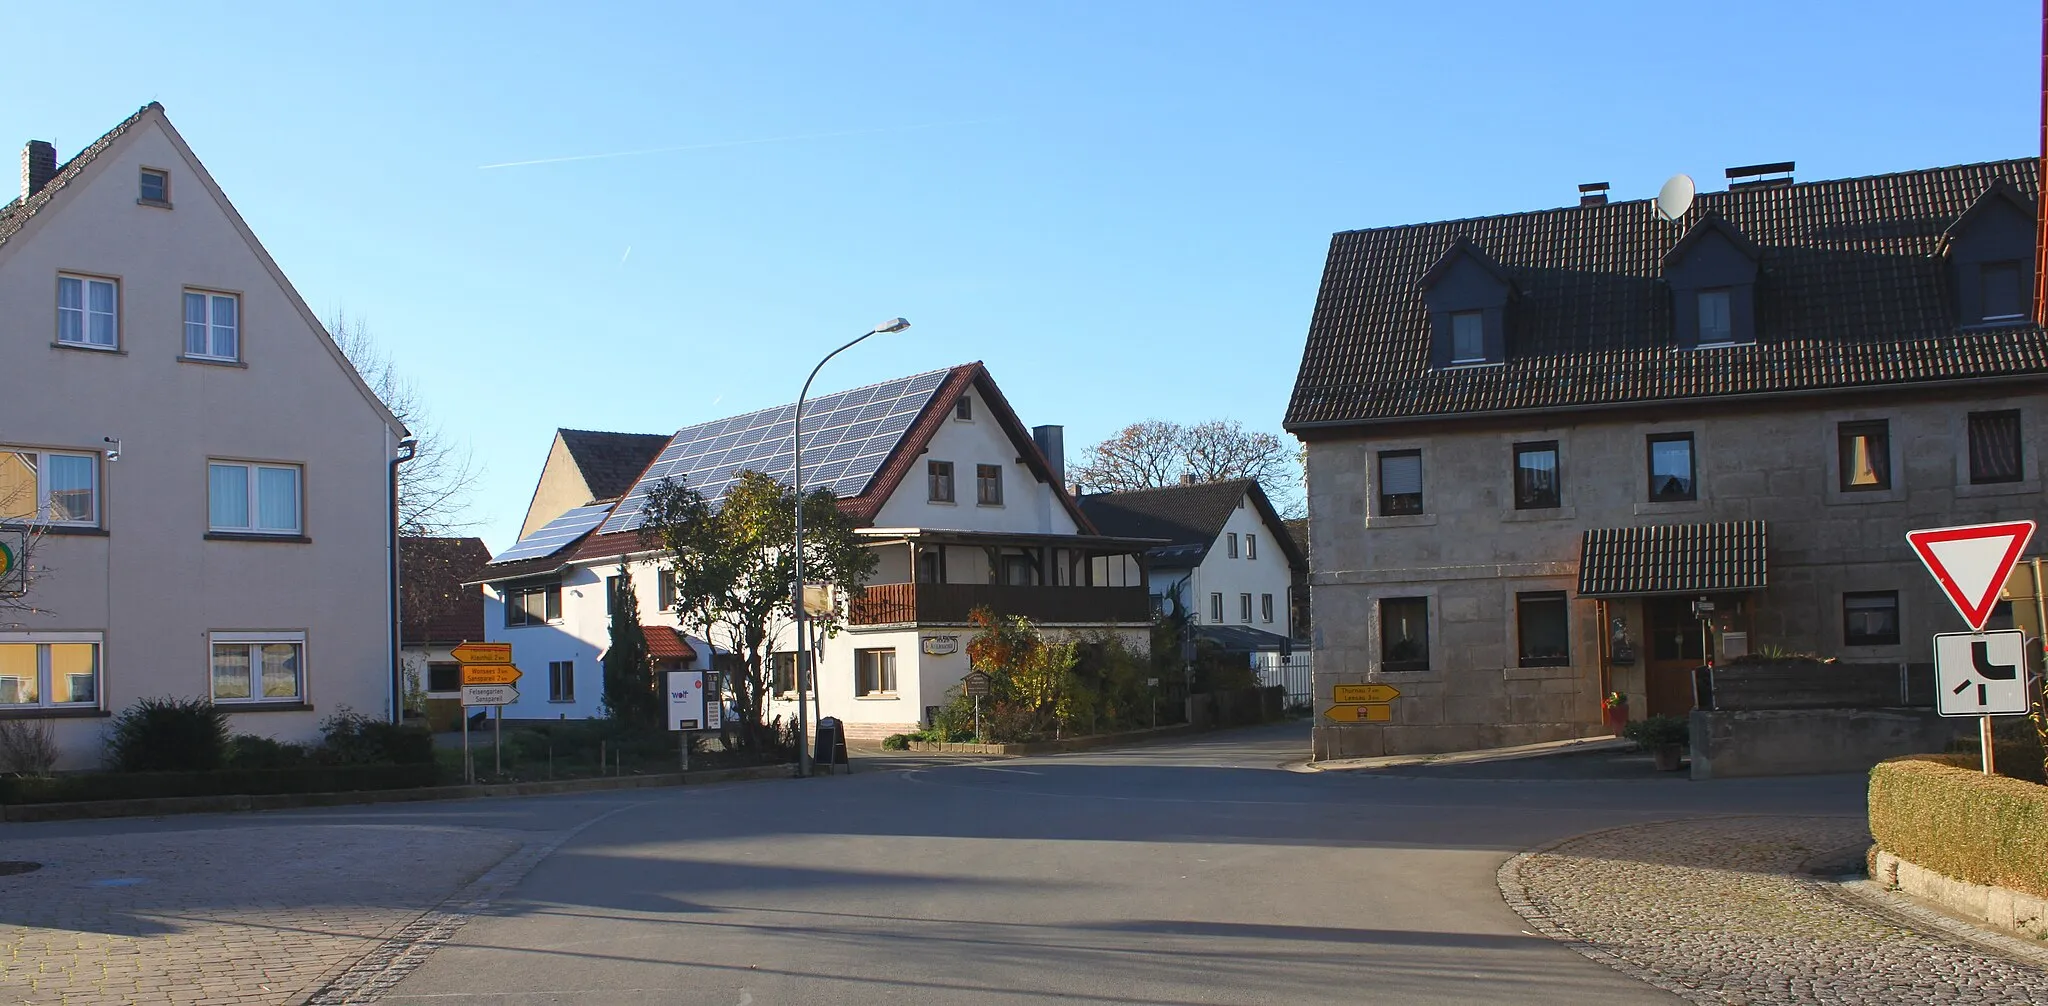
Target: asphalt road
{"type": "Point", "coordinates": [1188, 873]}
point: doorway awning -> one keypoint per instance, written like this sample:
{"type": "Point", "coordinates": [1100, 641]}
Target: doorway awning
{"type": "Point", "coordinates": [1672, 559]}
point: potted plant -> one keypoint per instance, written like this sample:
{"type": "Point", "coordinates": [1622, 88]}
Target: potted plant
{"type": "Point", "coordinates": [1614, 711]}
{"type": "Point", "coordinates": [1665, 737]}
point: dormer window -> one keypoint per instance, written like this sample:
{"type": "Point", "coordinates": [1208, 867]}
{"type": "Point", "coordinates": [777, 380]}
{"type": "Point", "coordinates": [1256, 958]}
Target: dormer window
{"type": "Point", "coordinates": [1712, 274]}
{"type": "Point", "coordinates": [2002, 298]}
{"type": "Point", "coordinates": [1467, 293]}
{"type": "Point", "coordinates": [1990, 249]}
{"type": "Point", "coordinates": [1716, 326]}
{"type": "Point", "coordinates": [1468, 337]}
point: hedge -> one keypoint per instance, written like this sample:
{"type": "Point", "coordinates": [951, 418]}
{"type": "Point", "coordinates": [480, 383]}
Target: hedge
{"type": "Point", "coordinates": [1961, 823]}
{"type": "Point", "coordinates": [70, 788]}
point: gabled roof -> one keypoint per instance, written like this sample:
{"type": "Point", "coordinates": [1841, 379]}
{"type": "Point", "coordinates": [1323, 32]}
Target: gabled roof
{"type": "Point", "coordinates": [16, 213]}
{"type": "Point", "coordinates": [432, 574]}
{"type": "Point", "coordinates": [1189, 517]}
{"type": "Point", "coordinates": [1852, 294]}
{"type": "Point", "coordinates": [1998, 193]}
{"type": "Point", "coordinates": [1463, 248]}
{"type": "Point", "coordinates": [610, 462]}
{"type": "Point", "coordinates": [1711, 223]}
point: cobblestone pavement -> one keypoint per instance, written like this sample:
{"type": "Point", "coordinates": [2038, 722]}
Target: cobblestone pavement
{"type": "Point", "coordinates": [259, 913]}
{"type": "Point", "coordinates": [1719, 911]}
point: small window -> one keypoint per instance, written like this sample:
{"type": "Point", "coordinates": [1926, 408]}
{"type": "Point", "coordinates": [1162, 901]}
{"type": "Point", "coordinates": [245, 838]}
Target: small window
{"type": "Point", "coordinates": [1404, 633]}
{"type": "Point", "coordinates": [963, 409]}
{"type": "Point", "coordinates": [1251, 546]}
{"type": "Point", "coordinates": [156, 186]}
{"type": "Point", "coordinates": [1864, 455]}
{"type": "Point", "coordinates": [1231, 539]}
{"type": "Point", "coordinates": [1019, 571]}
{"type": "Point", "coordinates": [253, 499]}
{"type": "Point", "coordinates": [1543, 626]}
{"type": "Point", "coordinates": [939, 475]}
{"type": "Point", "coordinates": [1468, 337]}
{"type": "Point", "coordinates": [1870, 618]}
{"type": "Point", "coordinates": [561, 681]}
{"type": "Point", "coordinates": [874, 672]}
{"type": "Point", "coordinates": [1244, 608]}
{"type": "Point", "coordinates": [49, 487]}
{"type": "Point", "coordinates": [255, 667]}
{"type": "Point", "coordinates": [931, 564]}
{"type": "Point", "coordinates": [212, 325]}
{"type": "Point", "coordinates": [1216, 609]}
{"type": "Point", "coordinates": [1671, 468]}
{"type": "Point", "coordinates": [2003, 298]}
{"type": "Point", "coordinates": [1266, 608]}
{"type": "Point", "coordinates": [665, 589]}
{"type": "Point", "coordinates": [988, 485]}
{"type": "Point", "coordinates": [782, 672]}
{"type": "Point", "coordinates": [49, 670]}
{"type": "Point", "coordinates": [1717, 321]}
{"type": "Point", "coordinates": [536, 605]}
{"type": "Point", "coordinates": [88, 312]}
{"type": "Point", "coordinates": [1995, 447]}
{"type": "Point", "coordinates": [611, 595]}
{"type": "Point", "coordinates": [444, 677]}
{"type": "Point", "coordinates": [1536, 476]}
{"type": "Point", "coordinates": [1400, 482]}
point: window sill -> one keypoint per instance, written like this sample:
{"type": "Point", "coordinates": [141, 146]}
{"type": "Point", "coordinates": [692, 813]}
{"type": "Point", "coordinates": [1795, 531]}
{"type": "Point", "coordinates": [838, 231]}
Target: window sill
{"type": "Point", "coordinates": [1383, 669]}
{"type": "Point", "coordinates": [1674, 506]}
{"type": "Point", "coordinates": [1851, 497]}
{"type": "Point", "coordinates": [1994, 324]}
{"type": "Point", "coordinates": [1402, 520]}
{"type": "Point", "coordinates": [293, 539]}
{"type": "Point", "coordinates": [60, 529]}
{"type": "Point", "coordinates": [991, 506]}
{"type": "Point", "coordinates": [1709, 346]}
{"type": "Point", "coordinates": [161, 204]}
{"type": "Point", "coordinates": [534, 625]}
{"type": "Point", "coordinates": [1540, 513]}
{"type": "Point", "coordinates": [89, 348]}
{"type": "Point", "coordinates": [562, 702]}
{"type": "Point", "coordinates": [890, 697]}
{"type": "Point", "coordinates": [283, 706]}
{"type": "Point", "coordinates": [1473, 365]}
{"type": "Point", "coordinates": [1970, 490]}
{"type": "Point", "coordinates": [212, 361]}
{"type": "Point", "coordinates": [943, 502]}
{"type": "Point", "coordinates": [51, 713]}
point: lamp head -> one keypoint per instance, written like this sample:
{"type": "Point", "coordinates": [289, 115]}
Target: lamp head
{"type": "Point", "coordinates": [893, 325]}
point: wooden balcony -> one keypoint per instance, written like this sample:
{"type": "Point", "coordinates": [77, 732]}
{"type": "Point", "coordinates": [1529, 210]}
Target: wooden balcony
{"type": "Point", "coordinates": [949, 603]}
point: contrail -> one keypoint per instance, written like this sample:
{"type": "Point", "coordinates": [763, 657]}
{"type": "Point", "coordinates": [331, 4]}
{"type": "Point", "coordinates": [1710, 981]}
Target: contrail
{"type": "Point", "coordinates": [627, 255]}
{"type": "Point", "coordinates": [730, 143]}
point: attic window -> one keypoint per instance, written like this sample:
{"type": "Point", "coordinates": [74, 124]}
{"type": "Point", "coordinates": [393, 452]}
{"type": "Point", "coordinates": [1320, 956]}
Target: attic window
{"type": "Point", "coordinates": [1716, 326]}
{"type": "Point", "coordinates": [963, 409]}
{"type": "Point", "coordinates": [1712, 273]}
{"type": "Point", "coordinates": [155, 188]}
{"type": "Point", "coordinates": [1468, 337]}
{"type": "Point", "coordinates": [1467, 294]}
{"type": "Point", "coordinates": [2002, 300]}
{"type": "Point", "coordinates": [1990, 249]}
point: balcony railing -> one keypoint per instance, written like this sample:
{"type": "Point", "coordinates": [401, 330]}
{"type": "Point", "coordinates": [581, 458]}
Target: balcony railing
{"type": "Point", "coordinates": [949, 603]}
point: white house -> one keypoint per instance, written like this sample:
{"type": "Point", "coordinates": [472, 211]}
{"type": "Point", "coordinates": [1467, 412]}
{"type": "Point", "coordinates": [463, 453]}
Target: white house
{"type": "Point", "coordinates": [214, 477]}
{"type": "Point", "coordinates": [965, 508]}
{"type": "Point", "coordinates": [1228, 556]}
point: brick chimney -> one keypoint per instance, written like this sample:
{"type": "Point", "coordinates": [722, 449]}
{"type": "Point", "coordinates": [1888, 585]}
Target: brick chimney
{"type": "Point", "coordinates": [38, 166]}
{"type": "Point", "coordinates": [1593, 194]}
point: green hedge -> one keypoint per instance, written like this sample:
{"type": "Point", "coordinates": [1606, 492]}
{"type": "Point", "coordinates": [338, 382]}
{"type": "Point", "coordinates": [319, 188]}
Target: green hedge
{"type": "Point", "coordinates": [225, 782]}
{"type": "Point", "coordinates": [1959, 822]}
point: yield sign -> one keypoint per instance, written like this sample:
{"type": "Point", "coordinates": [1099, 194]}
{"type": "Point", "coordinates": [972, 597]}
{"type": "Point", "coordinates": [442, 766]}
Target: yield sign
{"type": "Point", "coordinates": [1972, 562]}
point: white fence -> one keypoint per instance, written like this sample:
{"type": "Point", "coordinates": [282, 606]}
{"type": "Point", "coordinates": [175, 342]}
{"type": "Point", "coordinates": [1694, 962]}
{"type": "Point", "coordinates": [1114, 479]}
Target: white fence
{"type": "Point", "coordinates": [1296, 674]}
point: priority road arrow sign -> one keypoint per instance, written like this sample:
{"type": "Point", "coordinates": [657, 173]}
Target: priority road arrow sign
{"type": "Point", "coordinates": [1971, 562]}
{"type": "Point", "coordinates": [483, 653]}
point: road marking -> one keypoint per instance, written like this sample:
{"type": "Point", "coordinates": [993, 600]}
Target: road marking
{"type": "Point", "coordinates": [1012, 771]}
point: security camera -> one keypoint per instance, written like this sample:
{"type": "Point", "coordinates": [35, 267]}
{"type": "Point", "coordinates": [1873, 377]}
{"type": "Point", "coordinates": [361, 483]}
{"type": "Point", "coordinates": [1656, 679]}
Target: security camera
{"type": "Point", "coordinates": [114, 452]}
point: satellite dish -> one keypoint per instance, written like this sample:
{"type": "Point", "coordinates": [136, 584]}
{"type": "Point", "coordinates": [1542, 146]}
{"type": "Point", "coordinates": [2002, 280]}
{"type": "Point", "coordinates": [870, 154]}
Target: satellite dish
{"type": "Point", "coordinates": [1675, 197]}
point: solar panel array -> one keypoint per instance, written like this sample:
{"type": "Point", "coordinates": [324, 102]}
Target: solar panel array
{"type": "Point", "coordinates": [550, 537]}
{"type": "Point", "coordinates": [847, 437]}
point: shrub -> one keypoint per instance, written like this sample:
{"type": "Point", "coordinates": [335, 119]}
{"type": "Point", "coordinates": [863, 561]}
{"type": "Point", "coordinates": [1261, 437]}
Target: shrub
{"type": "Point", "coordinates": [223, 782]}
{"type": "Point", "coordinates": [169, 735]}
{"type": "Point", "coordinates": [27, 747]}
{"type": "Point", "coordinates": [351, 738]}
{"type": "Point", "coordinates": [253, 752]}
{"type": "Point", "coordinates": [1657, 731]}
{"type": "Point", "coordinates": [1962, 823]}
{"type": "Point", "coordinates": [896, 742]}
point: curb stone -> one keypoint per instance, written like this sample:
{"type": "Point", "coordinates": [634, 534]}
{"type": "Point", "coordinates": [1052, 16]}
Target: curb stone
{"type": "Point", "coordinates": [1872, 896]}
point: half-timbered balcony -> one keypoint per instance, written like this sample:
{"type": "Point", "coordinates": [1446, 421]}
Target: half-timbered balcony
{"type": "Point", "coordinates": [928, 577]}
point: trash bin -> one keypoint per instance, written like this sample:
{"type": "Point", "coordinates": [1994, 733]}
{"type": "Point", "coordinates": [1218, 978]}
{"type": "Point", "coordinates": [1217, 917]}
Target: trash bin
{"type": "Point", "coordinates": [831, 742]}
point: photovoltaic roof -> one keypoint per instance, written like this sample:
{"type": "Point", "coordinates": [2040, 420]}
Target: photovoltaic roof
{"type": "Point", "coordinates": [550, 537]}
{"type": "Point", "coordinates": [848, 436]}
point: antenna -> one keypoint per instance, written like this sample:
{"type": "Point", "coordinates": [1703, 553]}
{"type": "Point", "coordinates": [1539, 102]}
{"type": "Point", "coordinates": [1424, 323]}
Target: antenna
{"type": "Point", "coordinates": [1675, 197]}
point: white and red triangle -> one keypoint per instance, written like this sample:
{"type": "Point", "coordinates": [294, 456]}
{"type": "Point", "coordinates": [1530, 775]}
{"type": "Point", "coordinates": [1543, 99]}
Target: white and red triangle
{"type": "Point", "coordinates": [1972, 562]}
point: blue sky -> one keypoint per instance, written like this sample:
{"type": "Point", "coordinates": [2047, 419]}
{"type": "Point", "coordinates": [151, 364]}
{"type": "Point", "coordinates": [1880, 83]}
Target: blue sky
{"type": "Point", "coordinates": [1122, 208]}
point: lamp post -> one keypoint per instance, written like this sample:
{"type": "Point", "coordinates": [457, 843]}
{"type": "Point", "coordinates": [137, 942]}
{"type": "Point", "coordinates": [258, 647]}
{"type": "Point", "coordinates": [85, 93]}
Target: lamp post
{"type": "Point", "coordinates": [804, 671]}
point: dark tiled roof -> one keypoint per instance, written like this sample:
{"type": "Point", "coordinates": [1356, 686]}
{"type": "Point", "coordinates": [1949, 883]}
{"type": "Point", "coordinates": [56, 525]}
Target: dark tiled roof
{"type": "Point", "coordinates": [1297, 529]}
{"type": "Point", "coordinates": [16, 213]}
{"type": "Point", "coordinates": [1673, 559]}
{"type": "Point", "coordinates": [611, 461]}
{"type": "Point", "coordinates": [1241, 638]}
{"type": "Point", "coordinates": [1190, 517]}
{"type": "Point", "coordinates": [1852, 294]}
{"type": "Point", "coordinates": [432, 571]}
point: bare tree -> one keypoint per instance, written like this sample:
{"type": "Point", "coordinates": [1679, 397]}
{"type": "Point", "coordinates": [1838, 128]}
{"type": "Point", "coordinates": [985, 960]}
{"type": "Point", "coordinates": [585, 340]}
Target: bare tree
{"type": "Point", "coordinates": [20, 538]}
{"type": "Point", "coordinates": [1157, 453]}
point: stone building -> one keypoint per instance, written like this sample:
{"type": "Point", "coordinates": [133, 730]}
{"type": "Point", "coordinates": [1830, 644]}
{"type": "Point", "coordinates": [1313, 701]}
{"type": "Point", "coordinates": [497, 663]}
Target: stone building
{"type": "Point", "coordinates": [1537, 441]}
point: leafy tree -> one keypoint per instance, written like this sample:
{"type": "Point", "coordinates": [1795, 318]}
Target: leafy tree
{"type": "Point", "coordinates": [734, 567]}
{"type": "Point", "coordinates": [630, 695]}
{"type": "Point", "coordinates": [1156, 453]}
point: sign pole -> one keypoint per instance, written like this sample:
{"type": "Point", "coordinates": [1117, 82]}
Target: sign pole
{"type": "Point", "coordinates": [498, 740]}
{"type": "Point", "coordinates": [684, 736]}
{"type": "Point", "coordinates": [1984, 743]}
{"type": "Point", "coordinates": [468, 776]}
{"type": "Point", "coordinates": [977, 719]}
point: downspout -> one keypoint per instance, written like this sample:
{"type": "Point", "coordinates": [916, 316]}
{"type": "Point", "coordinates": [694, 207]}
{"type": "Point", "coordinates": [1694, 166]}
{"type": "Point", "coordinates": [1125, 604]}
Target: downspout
{"type": "Point", "coordinates": [406, 450]}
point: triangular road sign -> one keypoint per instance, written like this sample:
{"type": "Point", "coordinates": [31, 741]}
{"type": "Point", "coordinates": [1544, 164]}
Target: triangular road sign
{"type": "Point", "coordinates": [1972, 562]}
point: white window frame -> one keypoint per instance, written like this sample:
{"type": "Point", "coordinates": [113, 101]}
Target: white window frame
{"type": "Point", "coordinates": [1251, 546]}
{"type": "Point", "coordinates": [210, 326]}
{"type": "Point", "coordinates": [253, 484]}
{"type": "Point", "coordinates": [861, 688]}
{"type": "Point", "coordinates": [253, 640]}
{"type": "Point", "coordinates": [1216, 607]}
{"type": "Point", "coordinates": [1244, 608]}
{"type": "Point", "coordinates": [1230, 540]}
{"type": "Point", "coordinates": [86, 313]}
{"type": "Point", "coordinates": [43, 490]}
{"type": "Point", "coordinates": [42, 642]}
{"type": "Point", "coordinates": [142, 196]}
{"type": "Point", "coordinates": [556, 693]}
{"type": "Point", "coordinates": [512, 597]}
{"type": "Point", "coordinates": [1266, 608]}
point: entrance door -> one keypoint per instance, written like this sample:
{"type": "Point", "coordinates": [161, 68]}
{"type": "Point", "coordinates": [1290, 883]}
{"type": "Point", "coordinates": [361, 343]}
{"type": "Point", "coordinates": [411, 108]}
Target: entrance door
{"type": "Point", "coordinates": [1674, 651]}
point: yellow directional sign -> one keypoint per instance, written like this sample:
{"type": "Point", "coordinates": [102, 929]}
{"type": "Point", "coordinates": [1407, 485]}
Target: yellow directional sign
{"type": "Point", "coordinates": [489, 674]}
{"type": "Point", "coordinates": [484, 653]}
{"type": "Point", "coordinates": [1367, 693]}
{"type": "Point", "coordinates": [1375, 712]}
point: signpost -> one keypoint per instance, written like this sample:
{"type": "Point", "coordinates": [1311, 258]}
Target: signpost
{"type": "Point", "coordinates": [1366, 693]}
{"type": "Point", "coordinates": [487, 680]}
{"type": "Point", "coordinates": [1363, 703]}
{"type": "Point", "coordinates": [976, 684]}
{"type": "Point", "coordinates": [1976, 673]}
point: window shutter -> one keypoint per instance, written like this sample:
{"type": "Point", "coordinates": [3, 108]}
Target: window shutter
{"type": "Point", "coordinates": [1400, 474]}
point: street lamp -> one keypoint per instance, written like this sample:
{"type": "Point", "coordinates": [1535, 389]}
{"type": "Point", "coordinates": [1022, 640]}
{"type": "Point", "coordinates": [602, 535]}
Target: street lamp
{"type": "Point", "coordinates": [803, 622]}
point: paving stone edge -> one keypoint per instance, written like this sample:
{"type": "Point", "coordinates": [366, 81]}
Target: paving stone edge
{"type": "Point", "coordinates": [1872, 896]}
